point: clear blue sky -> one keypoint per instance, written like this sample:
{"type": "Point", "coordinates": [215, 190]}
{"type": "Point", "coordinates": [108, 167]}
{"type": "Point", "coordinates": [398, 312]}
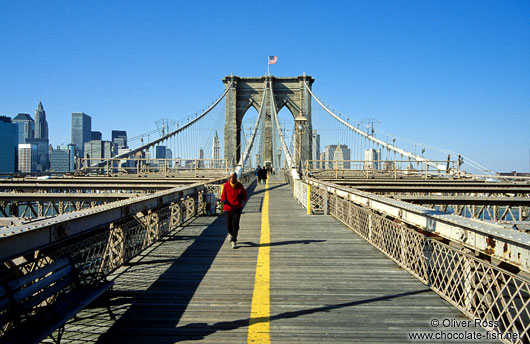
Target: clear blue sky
{"type": "Point", "coordinates": [451, 74]}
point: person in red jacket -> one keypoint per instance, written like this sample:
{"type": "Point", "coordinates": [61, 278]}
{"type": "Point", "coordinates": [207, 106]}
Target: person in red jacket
{"type": "Point", "coordinates": [233, 195]}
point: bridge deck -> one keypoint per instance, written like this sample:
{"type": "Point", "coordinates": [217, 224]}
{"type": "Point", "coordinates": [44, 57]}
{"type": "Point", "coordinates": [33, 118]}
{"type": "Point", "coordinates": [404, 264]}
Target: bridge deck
{"type": "Point", "coordinates": [326, 285]}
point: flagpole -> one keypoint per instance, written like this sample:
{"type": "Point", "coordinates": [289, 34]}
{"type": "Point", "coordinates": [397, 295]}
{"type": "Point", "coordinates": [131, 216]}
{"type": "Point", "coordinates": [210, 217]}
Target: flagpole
{"type": "Point", "coordinates": [268, 66]}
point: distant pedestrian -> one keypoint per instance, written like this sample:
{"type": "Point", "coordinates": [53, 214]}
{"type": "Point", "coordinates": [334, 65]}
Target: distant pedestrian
{"type": "Point", "coordinates": [233, 195]}
{"type": "Point", "coordinates": [263, 175]}
{"type": "Point", "coordinates": [257, 172]}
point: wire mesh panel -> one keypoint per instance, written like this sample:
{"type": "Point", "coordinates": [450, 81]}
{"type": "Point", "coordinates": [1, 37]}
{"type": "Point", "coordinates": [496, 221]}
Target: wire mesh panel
{"type": "Point", "coordinates": [317, 199]}
{"type": "Point", "coordinates": [300, 192]}
{"type": "Point", "coordinates": [498, 299]}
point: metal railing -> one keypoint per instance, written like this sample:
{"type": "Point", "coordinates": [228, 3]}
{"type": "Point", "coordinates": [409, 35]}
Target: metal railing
{"type": "Point", "coordinates": [101, 240]}
{"type": "Point", "coordinates": [499, 299]}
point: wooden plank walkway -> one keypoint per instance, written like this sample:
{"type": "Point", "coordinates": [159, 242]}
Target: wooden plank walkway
{"type": "Point", "coordinates": [327, 285]}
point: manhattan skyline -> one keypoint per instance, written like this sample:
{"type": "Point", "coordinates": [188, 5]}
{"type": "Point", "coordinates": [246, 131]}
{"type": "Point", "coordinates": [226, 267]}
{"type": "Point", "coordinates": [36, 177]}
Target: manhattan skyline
{"type": "Point", "coordinates": [448, 74]}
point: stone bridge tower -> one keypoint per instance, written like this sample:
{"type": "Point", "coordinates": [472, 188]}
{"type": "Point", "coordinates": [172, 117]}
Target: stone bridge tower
{"type": "Point", "coordinates": [288, 92]}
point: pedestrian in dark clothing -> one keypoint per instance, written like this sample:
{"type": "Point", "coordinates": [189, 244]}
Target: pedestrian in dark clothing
{"type": "Point", "coordinates": [257, 172]}
{"type": "Point", "coordinates": [233, 195]}
{"type": "Point", "coordinates": [263, 175]}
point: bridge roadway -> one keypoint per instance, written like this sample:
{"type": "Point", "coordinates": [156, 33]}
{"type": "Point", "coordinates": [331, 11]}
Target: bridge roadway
{"type": "Point", "coordinates": [326, 285]}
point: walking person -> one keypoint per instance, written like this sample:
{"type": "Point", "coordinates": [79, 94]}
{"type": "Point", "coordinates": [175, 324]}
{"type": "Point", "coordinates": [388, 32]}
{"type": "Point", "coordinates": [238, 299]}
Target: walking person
{"type": "Point", "coordinates": [257, 172]}
{"type": "Point", "coordinates": [233, 195]}
{"type": "Point", "coordinates": [263, 175]}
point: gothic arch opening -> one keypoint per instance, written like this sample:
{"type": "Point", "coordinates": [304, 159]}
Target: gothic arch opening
{"type": "Point", "coordinates": [289, 94]}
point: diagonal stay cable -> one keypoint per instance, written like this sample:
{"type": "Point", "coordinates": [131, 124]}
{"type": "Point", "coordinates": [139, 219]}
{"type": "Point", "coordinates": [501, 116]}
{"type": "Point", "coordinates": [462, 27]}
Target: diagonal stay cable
{"type": "Point", "coordinates": [376, 140]}
{"type": "Point", "coordinates": [253, 136]}
{"type": "Point", "coordinates": [169, 135]}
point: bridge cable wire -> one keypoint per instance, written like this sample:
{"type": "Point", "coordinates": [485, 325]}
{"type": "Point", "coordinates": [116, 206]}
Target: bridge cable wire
{"type": "Point", "coordinates": [374, 139]}
{"type": "Point", "coordinates": [169, 135]}
{"type": "Point", "coordinates": [250, 142]}
{"type": "Point", "coordinates": [286, 152]}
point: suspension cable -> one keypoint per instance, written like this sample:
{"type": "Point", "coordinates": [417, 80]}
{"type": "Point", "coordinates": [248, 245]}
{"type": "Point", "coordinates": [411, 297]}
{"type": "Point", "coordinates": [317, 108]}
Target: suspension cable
{"type": "Point", "coordinates": [376, 140]}
{"type": "Point", "coordinates": [254, 131]}
{"type": "Point", "coordinates": [167, 136]}
{"type": "Point", "coordinates": [287, 154]}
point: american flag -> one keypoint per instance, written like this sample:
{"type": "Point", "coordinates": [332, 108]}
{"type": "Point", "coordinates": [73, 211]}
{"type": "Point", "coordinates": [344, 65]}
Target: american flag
{"type": "Point", "coordinates": [273, 59]}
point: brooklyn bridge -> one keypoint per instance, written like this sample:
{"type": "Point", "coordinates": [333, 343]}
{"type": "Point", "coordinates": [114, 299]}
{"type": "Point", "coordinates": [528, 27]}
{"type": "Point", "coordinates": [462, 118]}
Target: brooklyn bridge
{"type": "Point", "coordinates": [390, 246]}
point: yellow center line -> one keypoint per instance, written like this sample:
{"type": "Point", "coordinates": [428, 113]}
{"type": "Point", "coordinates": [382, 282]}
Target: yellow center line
{"type": "Point", "coordinates": [259, 327]}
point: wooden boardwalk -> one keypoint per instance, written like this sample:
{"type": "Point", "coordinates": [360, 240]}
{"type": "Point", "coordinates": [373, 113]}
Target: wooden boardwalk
{"type": "Point", "coordinates": [327, 285]}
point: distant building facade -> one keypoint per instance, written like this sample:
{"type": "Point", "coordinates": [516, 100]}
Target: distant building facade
{"type": "Point", "coordinates": [25, 127]}
{"type": "Point", "coordinates": [8, 144]}
{"type": "Point", "coordinates": [119, 137]}
{"type": "Point", "coordinates": [216, 151]}
{"type": "Point", "coordinates": [201, 158]}
{"type": "Point", "coordinates": [27, 158]}
{"type": "Point", "coordinates": [81, 130]}
{"type": "Point", "coordinates": [41, 124]}
{"type": "Point", "coordinates": [160, 152]}
{"type": "Point", "coordinates": [95, 151]}
{"type": "Point", "coordinates": [336, 153]}
{"type": "Point", "coordinates": [42, 160]}
{"type": "Point", "coordinates": [371, 159]}
{"type": "Point", "coordinates": [96, 135]}
{"type": "Point", "coordinates": [62, 159]}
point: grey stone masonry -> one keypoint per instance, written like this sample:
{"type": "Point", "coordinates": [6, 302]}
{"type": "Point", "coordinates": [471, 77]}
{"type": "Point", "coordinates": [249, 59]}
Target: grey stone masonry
{"type": "Point", "coordinates": [248, 91]}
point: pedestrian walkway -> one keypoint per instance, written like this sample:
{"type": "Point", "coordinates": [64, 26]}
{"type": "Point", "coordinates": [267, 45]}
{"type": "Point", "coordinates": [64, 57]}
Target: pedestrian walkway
{"type": "Point", "coordinates": [326, 285]}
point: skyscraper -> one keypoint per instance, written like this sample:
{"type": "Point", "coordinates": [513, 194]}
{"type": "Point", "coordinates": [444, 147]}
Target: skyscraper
{"type": "Point", "coordinates": [8, 143]}
{"type": "Point", "coordinates": [81, 130]}
{"type": "Point", "coordinates": [97, 151]}
{"type": "Point", "coordinates": [96, 135]}
{"type": "Point", "coordinates": [160, 152]}
{"type": "Point", "coordinates": [27, 157]}
{"type": "Point", "coordinates": [41, 139]}
{"type": "Point", "coordinates": [371, 159]}
{"type": "Point", "coordinates": [25, 127]}
{"type": "Point", "coordinates": [336, 152]}
{"type": "Point", "coordinates": [216, 151]}
{"type": "Point", "coordinates": [42, 160]}
{"type": "Point", "coordinates": [60, 160]}
{"type": "Point", "coordinates": [120, 138]}
{"type": "Point", "coordinates": [41, 125]}
{"type": "Point", "coordinates": [201, 158]}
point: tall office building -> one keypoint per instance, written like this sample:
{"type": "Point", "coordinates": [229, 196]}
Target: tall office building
{"type": "Point", "coordinates": [41, 139]}
{"type": "Point", "coordinates": [216, 151]}
{"type": "Point", "coordinates": [8, 144]}
{"type": "Point", "coordinates": [315, 151]}
{"type": "Point", "coordinates": [109, 149]}
{"type": "Point", "coordinates": [97, 150]}
{"type": "Point", "coordinates": [42, 160]}
{"type": "Point", "coordinates": [120, 138]}
{"type": "Point", "coordinates": [93, 151]}
{"type": "Point", "coordinates": [27, 158]}
{"type": "Point", "coordinates": [60, 159]}
{"type": "Point", "coordinates": [81, 130]}
{"type": "Point", "coordinates": [25, 127]}
{"type": "Point", "coordinates": [343, 153]}
{"type": "Point", "coordinates": [41, 125]}
{"type": "Point", "coordinates": [160, 152]}
{"type": "Point", "coordinates": [201, 158]}
{"type": "Point", "coordinates": [371, 157]}
{"type": "Point", "coordinates": [96, 135]}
